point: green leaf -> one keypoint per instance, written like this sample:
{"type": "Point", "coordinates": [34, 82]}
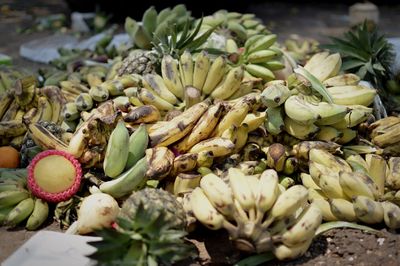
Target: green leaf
{"type": "Point", "coordinates": [149, 20]}
{"type": "Point", "coordinates": [256, 259]}
{"type": "Point", "coordinates": [362, 72]}
{"type": "Point", "coordinates": [315, 83]}
{"type": "Point", "coordinates": [131, 27]}
{"type": "Point", "coordinates": [339, 224]}
{"type": "Point", "coordinates": [352, 63]}
{"type": "Point", "coordinates": [200, 40]}
{"type": "Point", "coordinates": [163, 15]}
{"type": "Point", "coordinates": [192, 35]}
{"type": "Point", "coordinates": [347, 49]}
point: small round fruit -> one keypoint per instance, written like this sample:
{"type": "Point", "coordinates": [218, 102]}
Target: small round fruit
{"type": "Point", "coordinates": [54, 175]}
{"type": "Point", "coordinates": [9, 157]}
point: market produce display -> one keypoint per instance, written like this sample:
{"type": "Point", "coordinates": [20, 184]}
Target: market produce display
{"type": "Point", "coordinates": [201, 122]}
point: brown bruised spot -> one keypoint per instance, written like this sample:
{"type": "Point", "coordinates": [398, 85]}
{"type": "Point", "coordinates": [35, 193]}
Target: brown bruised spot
{"type": "Point", "coordinates": [154, 140]}
{"type": "Point", "coordinates": [277, 99]}
{"type": "Point", "coordinates": [181, 126]}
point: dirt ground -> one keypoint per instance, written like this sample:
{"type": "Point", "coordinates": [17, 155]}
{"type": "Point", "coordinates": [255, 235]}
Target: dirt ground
{"type": "Point", "coordinates": [336, 247]}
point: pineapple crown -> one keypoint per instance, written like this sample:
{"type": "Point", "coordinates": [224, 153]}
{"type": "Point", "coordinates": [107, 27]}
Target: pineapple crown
{"type": "Point", "coordinates": [365, 53]}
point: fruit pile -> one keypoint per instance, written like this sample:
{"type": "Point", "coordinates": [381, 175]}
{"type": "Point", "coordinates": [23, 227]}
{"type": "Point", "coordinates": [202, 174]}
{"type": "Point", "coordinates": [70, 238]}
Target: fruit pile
{"type": "Point", "coordinates": [203, 121]}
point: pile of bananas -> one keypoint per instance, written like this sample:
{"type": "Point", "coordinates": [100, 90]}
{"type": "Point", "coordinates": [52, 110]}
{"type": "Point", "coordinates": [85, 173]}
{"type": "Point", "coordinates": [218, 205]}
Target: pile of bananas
{"type": "Point", "coordinates": [384, 133]}
{"type": "Point", "coordinates": [259, 214]}
{"type": "Point", "coordinates": [17, 204]}
{"type": "Point", "coordinates": [25, 103]}
{"type": "Point", "coordinates": [8, 77]}
{"type": "Point", "coordinates": [301, 49]}
{"type": "Point", "coordinates": [234, 25]}
{"type": "Point", "coordinates": [353, 189]}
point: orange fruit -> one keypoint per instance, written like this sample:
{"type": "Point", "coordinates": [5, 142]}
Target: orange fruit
{"type": "Point", "coordinates": [9, 157]}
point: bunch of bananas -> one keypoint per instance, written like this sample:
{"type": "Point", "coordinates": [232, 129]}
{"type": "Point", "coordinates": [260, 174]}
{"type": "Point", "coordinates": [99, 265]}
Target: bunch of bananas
{"type": "Point", "coordinates": [296, 106]}
{"type": "Point", "coordinates": [385, 134]}
{"type": "Point", "coordinates": [259, 214]}
{"type": "Point", "coordinates": [8, 77]}
{"type": "Point", "coordinates": [300, 49]}
{"type": "Point", "coordinates": [16, 202]}
{"type": "Point", "coordinates": [234, 25]}
{"type": "Point", "coordinates": [352, 189]}
{"type": "Point", "coordinates": [25, 103]}
{"type": "Point", "coordinates": [260, 56]}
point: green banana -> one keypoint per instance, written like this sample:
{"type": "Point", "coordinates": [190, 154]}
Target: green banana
{"type": "Point", "coordinates": [39, 215]}
{"type": "Point", "coordinates": [117, 151]}
{"type": "Point", "coordinates": [20, 212]}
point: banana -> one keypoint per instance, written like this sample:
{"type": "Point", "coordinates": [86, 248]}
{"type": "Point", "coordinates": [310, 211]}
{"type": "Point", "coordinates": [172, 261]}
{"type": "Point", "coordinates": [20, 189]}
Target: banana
{"type": "Point", "coordinates": [160, 161]}
{"type": "Point", "coordinates": [185, 183]}
{"type": "Point", "coordinates": [178, 127]}
{"type": "Point", "coordinates": [325, 209]}
{"type": "Point", "coordinates": [12, 197]}
{"type": "Point", "coordinates": [121, 103]}
{"type": "Point", "coordinates": [4, 211]}
{"type": "Point", "coordinates": [24, 90]}
{"type": "Point", "coordinates": [117, 86]}
{"type": "Point", "coordinates": [382, 125]}
{"type": "Point", "coordinates": [347, 79]}
{"type": "Point", "coordinates": [20, 212]}
{"type": "Point", "coordinates": [377, 170]}
{"type": "Point", "coordinates": [5, 101]}
{"type": "Point", "coordinates": [301, 150]}
{"type": "Point", "coordinates": [304, 228]}
{"type": "Point", "coordinates": [73, 87]}
{"type": "Point", "coordinates": [217, 146]}
{"type": "Point", "coordinates": [325, 68]}
{"type": "Point", "coordinates": [348, 135]}
{"type": "Point", "coordinates": [205, 159]}
{"type": "Point", "coordinates": [241, 189]}
{"type": "Point", "coordinates": [358, 184]}
{"type": "Point", "coordinates": [202, 129]}
{"type": "Point", "coordinates": [274, 95]}
{"type": "Point", "coordinates": [343, 209]}
{"type": "Point", "coordinates": [316, 60]}
{"type": "Point", "coordinates": [268, 191]}
{"type": "Point", "coordinates": [171, 76]}
{"type": "Point", "coordinates": [184, 163]}
{"type": "Point", "coordinates": [260, 72]}
{"type": "Point", "coordinates": [201, 67]}
{"type": "Point", "coordinates": [299, 110]}
{"type": "Point", "coordinates": [283, 252]}
{"type": "Point", "coordinates": [274, 65]}
{"type": "Point", "coordinates": [274, 123]}
{"type": "Point", "coordinates": [218, 193]}
{"type": "Point", "coordinates": [289, 201]}
{"type": "Point", "coordinates": [204, 211]}
{"type": "Point", "coordinates": [12, 128]}
{"type": "Point", "coordinates": [389, 137]}
{"type": "Point", "coordinates": [57, 101]}
{"type": "Point", "coordinates": [138, 142]}
{"type": "Point", "coordinates": [393, 173]}
{"type": "Point", "coordinates": [391, 214]}
{"type": "Point", "coordinates": [251, 40]}
{"type": "Point", "coordinates": [142, 114]}
{"type": "Point", "coordinates": [117, 151]}
{"type": "Point", "coordinates": [234, 116]}
{"type": "Point", "coordinates": [45, 111]}
{"type": "Point", "coordinates": [276, 156]}
{"type": "Point", "coordinates": [39, 215]}
{"type": "Point", "coordinates": [84, 102]}
{"type": "Point", "coordinates": [329, 160]}
{"type": "Point", "coordinates": [186, 68]}
{"type": "Point", "coordinates": [328, 133]}
{"type": "Point", "coordinates": [231, 46]}
{"type": "Point", "coordinates": [261, 56]}
{"type": "Point", "coordinates": [328, 114]}
{"type": "Point", "coordinates": [298, 130]}
{"type": "Point", "coordinates": [70, 112]}
{"type": "Point", "coordinates": [357, 162]}
{"type": "Point", "coordinates": [260, 43]}
{"type": "Point", "coordinates": [308, 181]}
{"type": "Point", "coordinates": [329, 184]}
{"type": "Point", "coordinates": [368, 210]}
{"type": "Point", "coordinates": [99, 93]}
{"type": "Point", "coordinates": [230, 84]}
{"type": "Point", "coordinates": [360, 97]}
{"type": "Point", "coordinates": [11, 112]}
{"type": "Point", "coordinates": [155, 84]}
{"type": "Point", "coordinates": [237, 29]}
{"type": "Point", "coordinates": [242, 134]}
{"type": "Point", "coordinates": [254, 120]}
{"type": "Point", "coordinates": [356, 115]}
{"type": "Point", "coordinates": [345, 89]}
{"type": "Point", "coordinates": [215, 75]}
{"type": "Point", "coordinates": [147, 97]}
{"type": "Point", "coordinates": [128, 181]}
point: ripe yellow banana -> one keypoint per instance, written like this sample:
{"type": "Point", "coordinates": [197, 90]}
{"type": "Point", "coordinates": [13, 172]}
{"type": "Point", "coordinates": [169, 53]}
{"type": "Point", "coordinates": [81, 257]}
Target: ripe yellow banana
{"type": "Point", "coordinates": [241, 189]}
{"type": "Point", "coordinates": [289, 201]}
{"type": "Point", "coordinates": [316, 60]}
{"type": "Point", "coordinates": [215, 75]}
{"type": "Point", "coordinates": [171, 76]}
{"type": "Point", "coordinates": [12, 128]}
{"type": "Point", "coordinates": [347, 79]}
{"type": "Point", "coordinates": [367, 210]}
{"type": "Point", "coordinates": [328, 133]}
{"type": "Point", "coordinates": [84, 102]}
{"type": "Point", "coordinates": [391, 214]}
{"type": "Point", "coordinates": [186, 68]}
{"type": "Point", "coordinates": [308, 181]}
{"type": "Point", "coordinates": [274, 95]}
{"type": "Point", "coordinates": [358, 184]}
{"type": "Point", "coordinates": [185, 183]}
{"type": "Point", "coordinates": [356, 115]}
{"type": "Point", "coordinates": [230, 84]}
{"type": "Point", "coordinates": [155, 84]}
{"type": "Point", "coordinates": [268, 190]}
{"type": "Point", "coordinates": [343, 209]}
{"type": "Point", "coordinates": [330, 185]}
{"type": "Point", "coordinates": [178, 127]}
{"type": "Point", "coordinates": [160, 161]}
{"type": "Point", "coordinates": [184, 163]}
{"type": "Point", "coordinates": [147, 97]}
{"type": "Point", "coordinates": [326, 68]}
{"type": "Point", "coordinates": [393, 173]}
{"type": "Point", "coordinates": [11, 112]}
{"type": "Point", "coordinates": [299, 110]}
{"type": "Point", "coordinates": [217, 146]}
{"type": "Point", "coordinates": [242, 134]}
{"type": "Point", "coordinates": [45, 112]}
{"type": "Point", "coordinates": [57, 101]}
{"type": "Point", "coordinates": [254, 120]}
{"type": "Point", "coordinates": [298, 130]}
{"type": "Point", "coordinates": [142, 114]}
{"type": "Point", "coordinates": [201, 67]}
{"type": "Point", "coordinates": [283, 252]}
{"type": "Point", "coordinates": [325, 209]}
{"type": "Point", "coordinates": [203, 128]}
{"type": "Point", "coordinates": [377, 170]}
{"type": "Point", "coordinates": [359, 97]}
{"type": "Point", "coordinates": [329, 160]}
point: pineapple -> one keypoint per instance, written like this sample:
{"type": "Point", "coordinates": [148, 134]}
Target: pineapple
{"type": "Point", "coordinates": [150, 230]}
{"type": "Point", "coordinates": [170, 41]}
